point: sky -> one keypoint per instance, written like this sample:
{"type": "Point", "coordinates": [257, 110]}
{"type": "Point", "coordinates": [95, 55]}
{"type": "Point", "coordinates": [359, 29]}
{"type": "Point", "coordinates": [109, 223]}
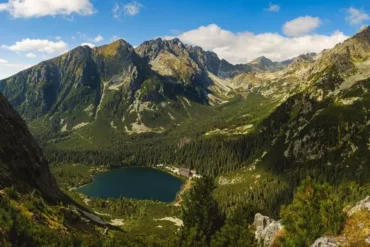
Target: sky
{"type": "Point", "coordinates": [237, 30]}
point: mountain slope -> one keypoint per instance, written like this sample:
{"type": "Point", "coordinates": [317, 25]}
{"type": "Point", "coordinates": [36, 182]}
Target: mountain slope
{"type": "Point", "coordinates": [22, 163]}
{"type": "Point", "coordinates": [322, 131]}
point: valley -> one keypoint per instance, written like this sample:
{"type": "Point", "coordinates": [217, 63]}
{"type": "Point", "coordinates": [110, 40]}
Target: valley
{"type": "Point", "coordinates": [276, 139]}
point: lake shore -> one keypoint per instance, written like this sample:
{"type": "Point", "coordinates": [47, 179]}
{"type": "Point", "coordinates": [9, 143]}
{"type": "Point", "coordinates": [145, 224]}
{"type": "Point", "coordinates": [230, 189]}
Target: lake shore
{"type": "Point", "coordinates": [92, 172]}
{"type": "Point", "coordinates": [179, 196]}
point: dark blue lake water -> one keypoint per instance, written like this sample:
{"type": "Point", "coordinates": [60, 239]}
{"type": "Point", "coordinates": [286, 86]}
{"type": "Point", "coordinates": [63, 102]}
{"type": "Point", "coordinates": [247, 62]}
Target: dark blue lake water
{"type": "Point", "coordinates": [138, 183]}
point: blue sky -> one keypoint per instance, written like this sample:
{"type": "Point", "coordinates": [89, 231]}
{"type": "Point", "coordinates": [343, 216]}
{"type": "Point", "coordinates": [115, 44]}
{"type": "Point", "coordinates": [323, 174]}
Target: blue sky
{"type": "Point", "coordinates": [238, 31]}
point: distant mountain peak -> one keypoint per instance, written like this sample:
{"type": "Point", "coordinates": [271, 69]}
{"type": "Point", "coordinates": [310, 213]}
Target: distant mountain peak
{"type": "Point", "coordinates": [262, 61]}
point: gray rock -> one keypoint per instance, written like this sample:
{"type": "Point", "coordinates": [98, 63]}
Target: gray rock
{"type": "Point", "coordinates": [360, 206]}
{"type": "Point", "coordinates": [266, 230]}
{"type": "Point", "coordinates": [325, 242]}
{"type": "Point", "coordinates": [367, 240]}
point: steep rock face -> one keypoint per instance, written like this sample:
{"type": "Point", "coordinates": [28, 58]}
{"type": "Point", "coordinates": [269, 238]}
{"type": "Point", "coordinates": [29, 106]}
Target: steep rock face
{"type": "Point", "coordinates": [55, 85]}
{"type": "Point", "coordinates": [346, 55]}
{"type": "Point", "coordinates": [118, 63]}
{"type": "Point", "coordinates": [21, 160]}
{"type": "Point", "coordinates": [266, 230]}
{"type": "Point", "coordinates": [194, 57]}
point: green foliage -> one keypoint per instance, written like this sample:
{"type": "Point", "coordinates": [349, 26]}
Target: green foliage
{"type": "Point", "coordinates": [201, 215]}
{"type": "Point", "coordinates": [69, 176]}
{"type": "Point", "coordinates": [315, 211]}
{"type": "Point", "coordinates": [233, 235]}
{"type": "Point", "coordinates": [25, 220]}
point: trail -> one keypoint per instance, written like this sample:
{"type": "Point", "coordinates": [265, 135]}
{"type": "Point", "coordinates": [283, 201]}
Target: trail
{"type": "Point", "coordinates": [86, 140]}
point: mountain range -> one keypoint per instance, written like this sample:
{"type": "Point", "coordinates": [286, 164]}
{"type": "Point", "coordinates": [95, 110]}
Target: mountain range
{"type": "Point", "coordinates": [165, 87]}
{"type": "Point", "coordinates": [124, 86]}
{"type": "Point", "coordinates": [259, 128]}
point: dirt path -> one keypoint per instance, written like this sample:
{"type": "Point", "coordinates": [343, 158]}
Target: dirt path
{"type": "Point", "coordinates": [184, 188]}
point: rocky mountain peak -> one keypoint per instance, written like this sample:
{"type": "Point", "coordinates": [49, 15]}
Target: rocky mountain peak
{"type": "Point", "coordinates": [264, 64]}
{"type": "Point", "coordinates": [263, 61]}
{"type": "Point", "coordinates": [150, 50]}
{"type": "Point", "coordinates": [344, 56]}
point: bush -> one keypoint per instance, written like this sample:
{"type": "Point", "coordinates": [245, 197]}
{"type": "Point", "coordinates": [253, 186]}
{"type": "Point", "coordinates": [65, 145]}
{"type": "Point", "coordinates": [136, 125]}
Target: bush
{"type": "Point", "coordinates": [316, 210]}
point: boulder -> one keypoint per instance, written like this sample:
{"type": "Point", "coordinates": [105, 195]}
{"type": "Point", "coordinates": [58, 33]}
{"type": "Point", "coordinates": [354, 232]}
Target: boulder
{"type": "Point", "coordinates": [325, 242]}
{"type": "Point", "coordinates": [360, 206]}
{"type": "Point", "coordinates": [266, 230]}
{"type": "Point", "coordinates": [367, 240]}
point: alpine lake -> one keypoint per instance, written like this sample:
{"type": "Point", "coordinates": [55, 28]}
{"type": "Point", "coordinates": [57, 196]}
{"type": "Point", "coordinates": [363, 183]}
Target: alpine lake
{"type": "Point", "coordinates": [134, 182]}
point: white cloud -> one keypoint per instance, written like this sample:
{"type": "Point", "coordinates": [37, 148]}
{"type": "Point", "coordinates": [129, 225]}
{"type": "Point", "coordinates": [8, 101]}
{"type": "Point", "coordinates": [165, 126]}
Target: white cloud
{"type": "Point", "coordinates": [38, 45]}
{"type": "Point", "coordinates": [356, 16]}
{"type": "Point", "coordinates": [3, 61]}
{"type": "Point", "coordinates": [245, 46]}
{"type": "Point", "coordinates": [85, 37]}
{"type": "Point", "coordinates": [116, 11]}
{"type": "Point", "coordinates": [40, 8]}
{"type": "Point", "coordinates": [301, 25]}
{"type": "Point", "coordinates": [273, 8]}
{"type": "Point", "coordinates": [130, 9]}
{"type": "Point", "coordinates": [31, 55]}
{"type": "Point", "coordinates": [98, 38]}
{"type": "Point", "coordinates": [58, 38]}
{"type": "Point", "coordinates": [88, 44]}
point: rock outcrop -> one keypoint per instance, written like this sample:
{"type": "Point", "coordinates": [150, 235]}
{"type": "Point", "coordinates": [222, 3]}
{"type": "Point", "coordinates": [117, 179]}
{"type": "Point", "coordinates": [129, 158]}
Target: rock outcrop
{"type": "Point", "coordinates": [325, 242]}
{"type": "Point", "coordinates": [360, 206]}
{"type": "Point", "coordinates": [266, 230]}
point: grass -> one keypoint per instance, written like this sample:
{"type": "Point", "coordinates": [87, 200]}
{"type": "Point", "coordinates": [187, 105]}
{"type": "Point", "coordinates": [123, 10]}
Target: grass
{"type": "Point", "coordinates": [357, 229]}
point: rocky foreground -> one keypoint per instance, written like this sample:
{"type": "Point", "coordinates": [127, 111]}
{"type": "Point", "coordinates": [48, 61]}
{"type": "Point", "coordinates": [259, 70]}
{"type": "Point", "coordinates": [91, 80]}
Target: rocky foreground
{"type": "Point", "coordinates": [355, 233]}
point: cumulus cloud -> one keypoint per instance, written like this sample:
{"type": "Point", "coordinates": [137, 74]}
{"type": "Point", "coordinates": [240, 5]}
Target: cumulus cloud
{"type": "Point", "coordinates": [130, 9]}
{"type": "Point", "coordinates": [273, 8]}
{"type": "Point", "coordinates": [88, 44]}
{"type": "Point", "coordinates": [356, 16]}
{"type": "Point", "coordinates": [40, 8]}
{"type": "Point", "coordinates": [31, 55]}
{"type": "Point", "coordinates": [38, 45]}
{"type": "Point", "coordinates": [301, 25]}
{"type": "Point", "coordinates": [245, 46]}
